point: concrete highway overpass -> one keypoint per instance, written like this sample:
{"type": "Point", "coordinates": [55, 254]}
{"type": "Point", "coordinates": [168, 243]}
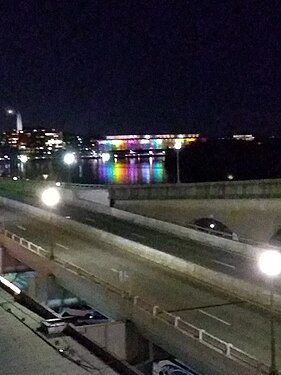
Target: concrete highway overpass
{"type": "Point", "coordinates": [178, 298]}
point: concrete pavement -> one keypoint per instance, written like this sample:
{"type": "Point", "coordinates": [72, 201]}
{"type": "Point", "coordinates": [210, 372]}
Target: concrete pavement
{"type": "Point", "coordinates": [24, 351]}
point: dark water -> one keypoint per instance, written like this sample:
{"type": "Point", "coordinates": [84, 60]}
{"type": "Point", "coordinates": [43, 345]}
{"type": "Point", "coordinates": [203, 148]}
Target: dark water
{"type": "Point", "coordinates": [92, 171]}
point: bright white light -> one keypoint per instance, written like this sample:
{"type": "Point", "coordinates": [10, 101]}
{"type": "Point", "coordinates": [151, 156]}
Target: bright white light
{"type": "Point", "coordinates": [45, 176]}
{"type": "Point", "coordinates": [58, 183]}
{"type": "Point", "coordinates": [23, 158]}
{"type": "Point", "coordinates": [15, 178]}
{"type": "Point", "coordinates": [212, 225]}
{"type": "Point", "coordinates": [14, 288]}
{"type": "Point", "coordinates": [10, 111]}
{"type": "Point", "coordinates": [50, 197]}
{"type": "Point", "coordinates": [177, 145]}
{"type": "Point", "coordinates": [69, 158]}
{"type": "Point", "coordinates": [230, 176]}
{"type": "Point", "coordinates": [270, 262]}
{"type": "Point", "coordinates": [105, 156]}
{"type": "Point", "coordinates": [6, 157]}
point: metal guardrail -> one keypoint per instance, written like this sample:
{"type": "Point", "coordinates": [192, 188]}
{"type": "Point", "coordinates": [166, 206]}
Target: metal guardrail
{"type": "Point", "coordinates": [154, 311]}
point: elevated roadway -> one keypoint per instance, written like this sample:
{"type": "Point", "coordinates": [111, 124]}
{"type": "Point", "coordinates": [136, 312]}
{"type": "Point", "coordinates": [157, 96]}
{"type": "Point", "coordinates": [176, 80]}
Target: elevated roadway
{"type": "Point", "coordinates": [230, 319]}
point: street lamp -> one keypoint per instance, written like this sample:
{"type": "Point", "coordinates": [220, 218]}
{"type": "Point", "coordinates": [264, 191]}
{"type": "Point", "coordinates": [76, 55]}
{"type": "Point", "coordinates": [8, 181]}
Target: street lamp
{"type": "Point", "coordinates": [23, 160]}
{"type": "Point", "coordinates": [177, 148]}
{"type": "Point", "coordinates": [51, 197]}
{"type": "Point", "coordinates": [13, 112]}
{"type": "Point", "coordinates": [69, 159]}
{"type": "Point", "coordinates": [270, 265]}
{"type": "Point", "coordinates": [105, 156]}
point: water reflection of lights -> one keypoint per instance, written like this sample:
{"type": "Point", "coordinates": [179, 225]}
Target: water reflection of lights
{"type": "Point", "coordinates": [132, 171]}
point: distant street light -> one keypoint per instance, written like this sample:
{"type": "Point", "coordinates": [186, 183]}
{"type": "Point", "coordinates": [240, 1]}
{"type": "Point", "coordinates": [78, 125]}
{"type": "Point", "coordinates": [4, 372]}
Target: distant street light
{"type": "Point", "coordinates": [178, 148]}
{"type": "Point", "coordinates": [105, 156]}
{"type": "Point", "coordinates": [270, 265]}
{"type": "Point", "coordinates": [51, 197]}
{"type": "Point", "coordinates": [13, 112]}
{"type": "Point", "coordinates": [23, 160]}
{"type": "Point", "coordinates": [69, 159]}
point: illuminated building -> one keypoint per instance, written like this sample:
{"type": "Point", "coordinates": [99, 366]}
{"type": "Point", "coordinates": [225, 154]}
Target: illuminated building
{"type": "Point", "coordinates": [11, 139]}
{"type": "Point", "coordinates": [144, 142]}
{"type": "Point", "coordinates": [38, 142]}
{"type": "Point", "coordinates": [243, 137]}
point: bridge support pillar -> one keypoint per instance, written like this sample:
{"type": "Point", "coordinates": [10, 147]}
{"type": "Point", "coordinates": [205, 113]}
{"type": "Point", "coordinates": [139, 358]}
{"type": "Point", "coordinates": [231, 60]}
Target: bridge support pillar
{"type": "Point", "coordinates": [43, 288]}
{"type": "Point", "coordinates": [9, 264]}
{"type": "Point", "coordinates": [140, 351]}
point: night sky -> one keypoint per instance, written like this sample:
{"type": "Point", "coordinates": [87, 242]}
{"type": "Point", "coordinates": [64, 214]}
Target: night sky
{"type": "Point", "coordinates": [142, 66]}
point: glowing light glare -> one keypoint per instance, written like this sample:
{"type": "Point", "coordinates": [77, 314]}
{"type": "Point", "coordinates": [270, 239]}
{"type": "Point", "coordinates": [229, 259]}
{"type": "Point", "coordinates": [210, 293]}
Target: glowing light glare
{"type": "Point", "coordinates": [23, 158]}
{"type": "Point", "coordinates": [11, 286]}
{"type": "Point", "coordinates": [212, 225]}
{"type": "Point", "coordinates": [69, 158]}
{"type": "Point", "coordinates": [105, 156]}
{"type": "Point", "coordinates": [50, 197]}
{"type": "Point", "coordinates": [10, 111]}
{"type": "Point", "coordinates": [58, 183]}
{"type": "Point", "coordinates": [15, 178]}
{"type": "Point", "coordinates": [230, 176]}
{"type": "Point", "coordinates": [178, 145]}
{"type": "Point", "coordinates": [270, 263]}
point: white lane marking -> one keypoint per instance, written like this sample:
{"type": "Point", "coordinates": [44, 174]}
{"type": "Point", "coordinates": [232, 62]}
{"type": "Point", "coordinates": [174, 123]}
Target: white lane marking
{"type": "Point", "coordinates": [214, 317]}
{"type": "Point", "coordinates": [90, 219]}
{"type": "Point", "coordinates": [20, 227]}
{"type": "Point", "coordinates": [67, 217]}
{"type": "Point", "coordinates": [223, 264]}
{"type": "Point", "coordinates": [137, 235]}
{"type": "Point", "coordinates": [64, 247]}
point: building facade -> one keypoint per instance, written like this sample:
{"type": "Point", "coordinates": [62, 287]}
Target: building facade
{"type": "Point", "coordinates": [144, 142]}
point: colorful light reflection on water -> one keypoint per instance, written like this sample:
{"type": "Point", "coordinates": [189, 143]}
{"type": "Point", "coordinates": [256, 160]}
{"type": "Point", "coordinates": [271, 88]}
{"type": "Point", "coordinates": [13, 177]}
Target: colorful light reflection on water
{"type": "Point", "coordinates": [132, 171]}
{"type": "Point", "coordinates": [148, 170]}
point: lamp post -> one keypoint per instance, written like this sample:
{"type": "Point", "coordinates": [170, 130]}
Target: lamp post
{"type": "Point", "coordinates": [270, 265]}
{"type": "Point", "coordinates": [69, 159]}
{"type": "Point", "coordinates": [177, 148]}
{"type": "Point", "coordinates": [51, 197]}
{"type": "Point", "coordinates": [23, 160]}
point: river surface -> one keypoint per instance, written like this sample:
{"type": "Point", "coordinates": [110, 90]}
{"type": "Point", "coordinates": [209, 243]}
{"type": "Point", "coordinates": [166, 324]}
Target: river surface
{"type": "Point", "coordinates": [92, 171]}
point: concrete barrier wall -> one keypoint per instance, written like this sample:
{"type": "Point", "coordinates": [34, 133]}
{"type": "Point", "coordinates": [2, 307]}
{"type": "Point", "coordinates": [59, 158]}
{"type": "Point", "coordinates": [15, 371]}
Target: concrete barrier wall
{"type": "Point", "coordinates": [255, 219]}
{"type": "Point", "coordinates": [209, 190]}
